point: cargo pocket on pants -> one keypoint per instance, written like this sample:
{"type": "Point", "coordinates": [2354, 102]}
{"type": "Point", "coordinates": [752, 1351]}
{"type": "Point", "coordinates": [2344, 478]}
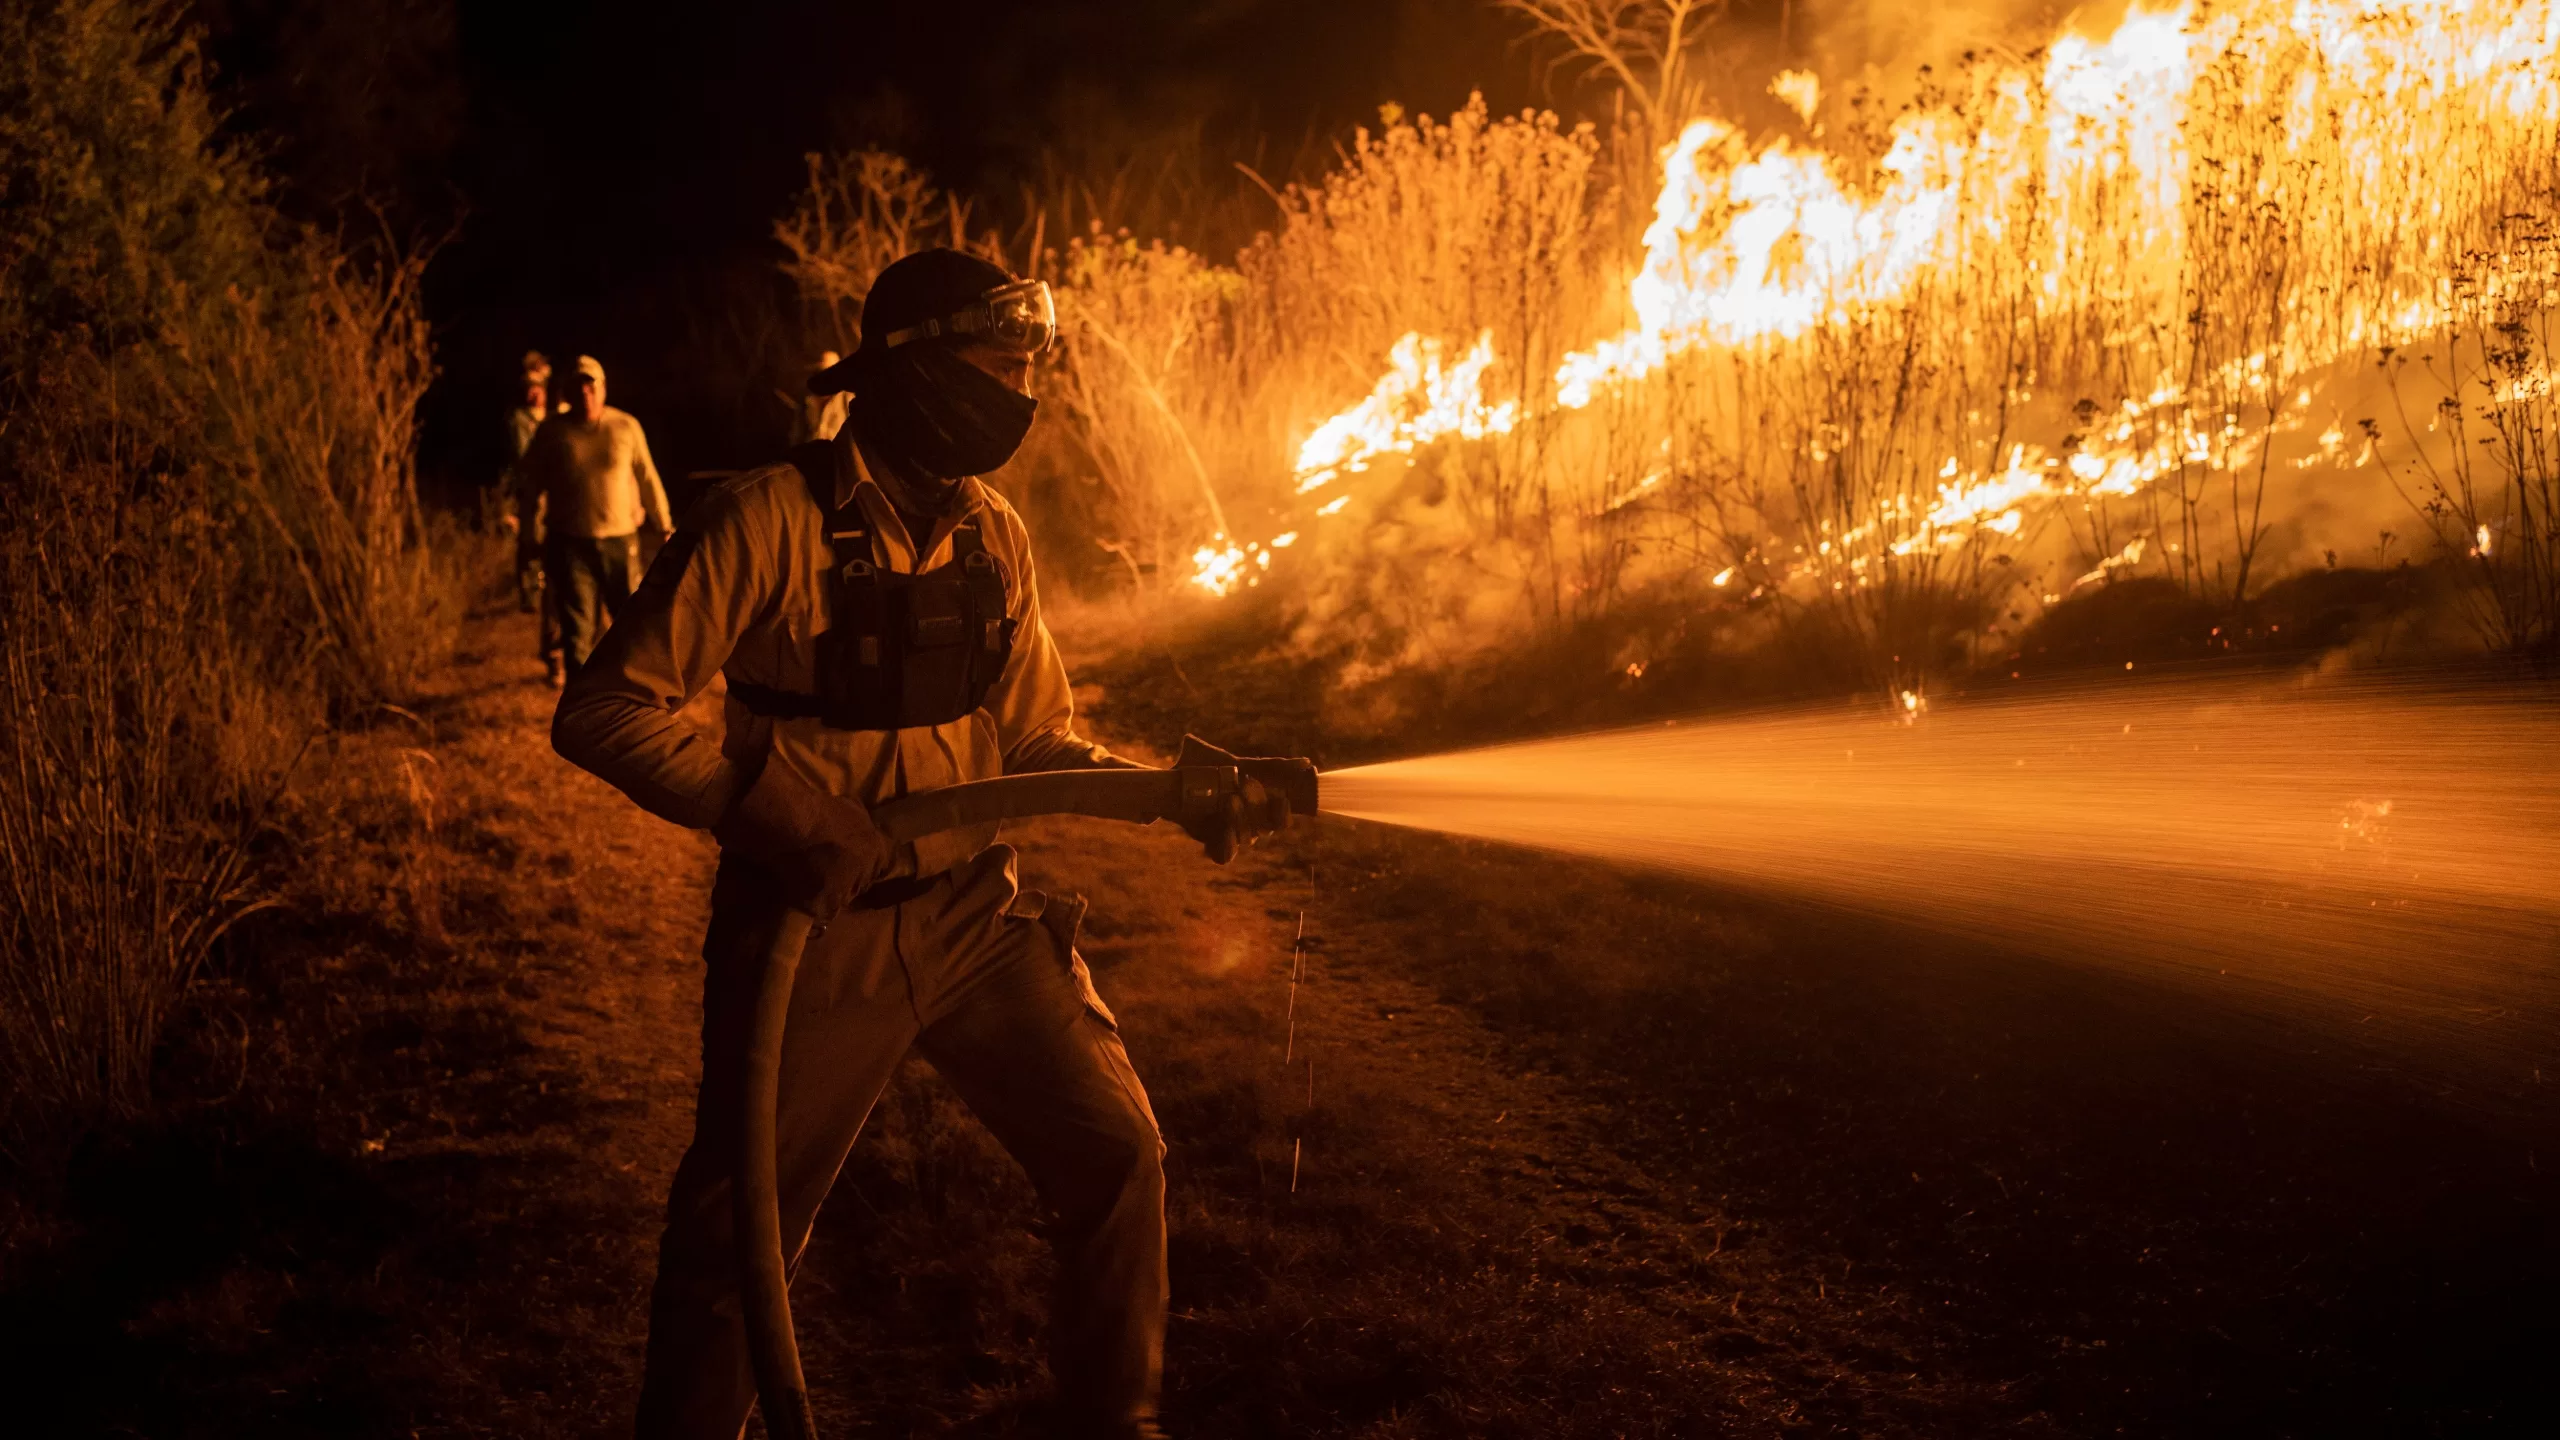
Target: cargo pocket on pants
{"type": "Point", "coordinates": [1063, 917]}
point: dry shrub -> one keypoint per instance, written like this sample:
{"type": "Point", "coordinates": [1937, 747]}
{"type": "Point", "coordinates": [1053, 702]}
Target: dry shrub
{"type": "Point", "coordinates": [1149, 377]}
{"type": "Point", "coordinates": [135, 755]}
{"type": "Point", "coordinates": [311, 393]}
{"type": "Point", "coordinates": [2088, 291]}
{"type": "Point", "coordinates": [124, 204]}
{"type": "Point", "coordinates": [860, 211]}
{"type": "Point", "coordinates": [1641, 48]}
{"type": "Point", "coordinates": [1451, 228]}
{"type": "Point", "coordinates": [2490, 495]}
{"type": "Point", "coordinates": [211, 542]}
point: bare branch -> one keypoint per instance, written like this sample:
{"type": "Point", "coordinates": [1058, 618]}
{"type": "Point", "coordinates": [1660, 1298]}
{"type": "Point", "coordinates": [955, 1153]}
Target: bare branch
{"type": "Point", "coordinates": [1640, 45]}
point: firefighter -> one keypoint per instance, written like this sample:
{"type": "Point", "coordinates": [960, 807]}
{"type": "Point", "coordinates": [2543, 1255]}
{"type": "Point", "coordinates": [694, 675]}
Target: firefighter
{"type": "Point", "coordinates": [584, 487]}
{"type": "Point", "coordinates": [873, 606]}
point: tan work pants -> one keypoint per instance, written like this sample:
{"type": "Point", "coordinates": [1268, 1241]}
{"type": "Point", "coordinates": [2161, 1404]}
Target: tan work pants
{"type": "Point", "coordinates": [1006, 1012]}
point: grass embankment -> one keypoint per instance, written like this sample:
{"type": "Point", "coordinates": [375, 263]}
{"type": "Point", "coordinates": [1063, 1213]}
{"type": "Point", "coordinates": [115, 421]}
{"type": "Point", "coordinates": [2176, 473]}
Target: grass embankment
{"type": "Point", "coordinates": [416, 1136]}
{"type": "Point", "coordinates": [1537, 1148]}
{"type": "Point", "coordinates": [211, 550]}
{"type": "Point", "coordinates": [399, 1180]}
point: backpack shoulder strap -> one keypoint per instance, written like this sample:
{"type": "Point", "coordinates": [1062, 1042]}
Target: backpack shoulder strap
{"type": "Point", "coordinates": [856, 580]}
{"type": "Point", "coordinates": [986, 588]}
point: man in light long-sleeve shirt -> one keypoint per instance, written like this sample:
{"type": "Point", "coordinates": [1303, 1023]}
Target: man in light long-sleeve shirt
{"type": "Point", "coordinates": [584, 487]}
{"type": "Point", "coordinates": [822, 589]}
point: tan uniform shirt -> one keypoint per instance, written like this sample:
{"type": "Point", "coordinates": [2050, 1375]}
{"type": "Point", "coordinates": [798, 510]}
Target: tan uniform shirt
{"type": "Point", "coordinates": [743, 590]}
{"type": "Point", "coordinates": [589, 480]}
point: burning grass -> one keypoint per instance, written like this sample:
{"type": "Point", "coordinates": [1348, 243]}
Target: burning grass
{"type": "Point", "coordinates": [1905, 368]}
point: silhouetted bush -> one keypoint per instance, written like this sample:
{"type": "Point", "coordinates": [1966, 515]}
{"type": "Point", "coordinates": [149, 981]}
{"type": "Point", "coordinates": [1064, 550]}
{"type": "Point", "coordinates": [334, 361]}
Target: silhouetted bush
{"type": "Point", "coordinates": [210, 545]}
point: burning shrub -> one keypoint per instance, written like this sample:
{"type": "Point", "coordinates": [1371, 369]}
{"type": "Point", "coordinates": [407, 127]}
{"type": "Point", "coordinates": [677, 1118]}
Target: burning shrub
{"type": "Point", "coordinates": [1850, 383]}
{"type": "Point", "coordinates": [1479, 228]}
{"type": "Point", "coordinates": [1479, 224]}
{"type": "Point", "coordinates": [1150, 374]}
{"type": "Point", "coordinates": [2490, 493]}
{"type": "Point", "coordinates": [1903, 373]}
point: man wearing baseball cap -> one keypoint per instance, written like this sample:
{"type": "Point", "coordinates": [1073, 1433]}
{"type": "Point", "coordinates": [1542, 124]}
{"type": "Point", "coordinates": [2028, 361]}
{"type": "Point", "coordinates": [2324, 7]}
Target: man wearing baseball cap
{"type": "Point", "coordinates": [873, 606]}
{"type": "Point", "coordinates": [584, 486]}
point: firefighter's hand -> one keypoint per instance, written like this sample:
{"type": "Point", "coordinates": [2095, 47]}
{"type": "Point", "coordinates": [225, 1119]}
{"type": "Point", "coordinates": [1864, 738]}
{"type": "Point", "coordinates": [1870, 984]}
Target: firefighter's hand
{"type": "Point", "coordinates": [1237, 819]}
{"type": "Point", "coordinates": [821, 848]}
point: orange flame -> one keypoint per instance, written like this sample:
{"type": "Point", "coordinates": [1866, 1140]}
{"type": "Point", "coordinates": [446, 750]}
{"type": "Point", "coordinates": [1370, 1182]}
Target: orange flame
{"type": "Point", "coordinates": [1759, 246]}
{"type": "Point", "coordinates": [1417, 401]}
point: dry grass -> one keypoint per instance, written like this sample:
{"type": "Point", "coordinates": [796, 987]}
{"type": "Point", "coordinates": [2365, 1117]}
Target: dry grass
{"type": "Point", "coordinates": [2490, 496]}
{"type": "Point", "coordinates": [311, 414]}
{"type": "Point", "coordinates": [2140, 271]}
{"type": "Point", "coordinates": [858, 212]}
{"type": "Point", "coordinates": [213, 546]}
{"type": "Point", "coordinates": [131, 762]}
{"type": "Point", "coordinates": [1585, 1154]}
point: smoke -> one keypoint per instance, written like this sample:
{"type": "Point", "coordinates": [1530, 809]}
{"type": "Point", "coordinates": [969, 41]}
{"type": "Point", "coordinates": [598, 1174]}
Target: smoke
{"type": "Point", "coordinates": [1884, 44]}
{"type": "Point", "coordinates": [2381, 849]}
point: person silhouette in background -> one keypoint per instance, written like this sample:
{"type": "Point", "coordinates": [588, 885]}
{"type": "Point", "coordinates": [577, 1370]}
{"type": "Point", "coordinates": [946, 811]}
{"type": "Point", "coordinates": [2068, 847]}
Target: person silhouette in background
{"type": "Point", "coordinates": [820, 416]}
{"type": "Point", "coordinates": [584, 488]}
{"type": "Point", "coordinates": [533, 402]}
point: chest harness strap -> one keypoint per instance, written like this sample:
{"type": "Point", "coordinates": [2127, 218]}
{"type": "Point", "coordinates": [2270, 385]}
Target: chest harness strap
{"type": "Point", "coordinates": [904, 651]}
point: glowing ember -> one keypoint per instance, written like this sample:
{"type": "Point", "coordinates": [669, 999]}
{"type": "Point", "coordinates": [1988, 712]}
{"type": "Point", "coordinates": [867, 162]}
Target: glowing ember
{"type": "Point", "coordinates": [1801, 90]}
{"type": "Point", "coordinates": [2131, 554]}
{"type": "Point", "coordinates": [1218, 568]}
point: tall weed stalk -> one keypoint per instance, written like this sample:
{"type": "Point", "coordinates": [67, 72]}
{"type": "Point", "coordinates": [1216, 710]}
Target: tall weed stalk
{"type": "Point", "coordinates": [312, 393]}
{"type": "Point", "coordinates": [136, 747]}
{"type": "Point", "coordinates": [210, 540]}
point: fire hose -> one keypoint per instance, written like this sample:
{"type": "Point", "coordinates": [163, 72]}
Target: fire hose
{"type": "Point", "coordinates": [1209, 792]}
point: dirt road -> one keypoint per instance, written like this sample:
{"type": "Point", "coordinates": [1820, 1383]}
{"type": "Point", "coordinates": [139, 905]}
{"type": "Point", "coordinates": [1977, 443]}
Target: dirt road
{"type": "Point", "coordinates": [1506, 1145]}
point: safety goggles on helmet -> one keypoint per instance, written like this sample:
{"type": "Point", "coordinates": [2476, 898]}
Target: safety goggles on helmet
{"type": "Point", "coordinates": [1020, 317]}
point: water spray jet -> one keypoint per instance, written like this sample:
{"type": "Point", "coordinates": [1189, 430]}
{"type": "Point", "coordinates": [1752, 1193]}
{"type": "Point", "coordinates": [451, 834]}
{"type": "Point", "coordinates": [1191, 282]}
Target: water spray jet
{"type": "Point", "coordinates": [2385, 846]}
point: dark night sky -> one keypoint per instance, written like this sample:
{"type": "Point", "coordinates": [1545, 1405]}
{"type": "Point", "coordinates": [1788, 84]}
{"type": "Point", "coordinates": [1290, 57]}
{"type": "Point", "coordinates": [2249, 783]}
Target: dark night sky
{"type": "Point", "coordinates": [614, 169]}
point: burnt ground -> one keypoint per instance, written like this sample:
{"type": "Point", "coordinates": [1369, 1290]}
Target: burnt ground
{"type": "Point", "coordinates": [1535, 1147]}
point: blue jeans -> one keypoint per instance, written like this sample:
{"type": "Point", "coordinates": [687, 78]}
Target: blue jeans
{"type": "Point", "coordinates": [585, 579]}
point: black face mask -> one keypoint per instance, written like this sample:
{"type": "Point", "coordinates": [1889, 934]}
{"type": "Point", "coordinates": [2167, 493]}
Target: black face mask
{"type": "Point", "coordinates": [936, 418]}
